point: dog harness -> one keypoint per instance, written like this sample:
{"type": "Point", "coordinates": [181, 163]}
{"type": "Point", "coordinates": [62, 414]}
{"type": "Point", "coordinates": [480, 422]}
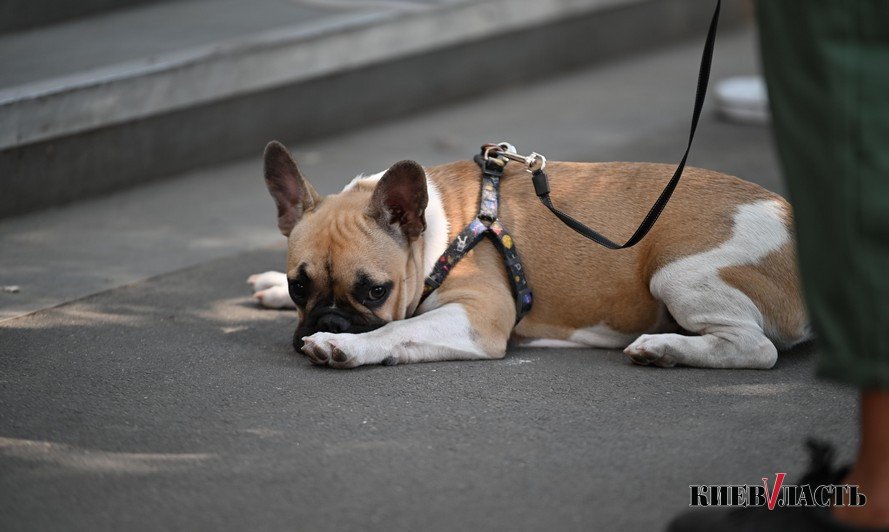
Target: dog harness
{"type": "Point", "coordinates": [486, 224]}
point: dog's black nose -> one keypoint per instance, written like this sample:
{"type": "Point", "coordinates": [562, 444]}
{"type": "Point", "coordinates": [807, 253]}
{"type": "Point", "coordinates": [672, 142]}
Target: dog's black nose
{"type": "Point", "coordinates": [333, 323]}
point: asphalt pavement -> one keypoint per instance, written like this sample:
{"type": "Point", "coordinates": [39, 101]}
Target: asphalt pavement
{"type": "Point", "coordinates": [165, 399]}
{"type": "Point", "coordinates": [177, 404]}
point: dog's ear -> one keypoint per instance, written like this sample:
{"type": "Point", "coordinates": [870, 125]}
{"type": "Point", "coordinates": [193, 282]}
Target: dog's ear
{"type": "Point", "coordinates": [293, 195]}
{"type": "Point", "coordinates": [399, 199]}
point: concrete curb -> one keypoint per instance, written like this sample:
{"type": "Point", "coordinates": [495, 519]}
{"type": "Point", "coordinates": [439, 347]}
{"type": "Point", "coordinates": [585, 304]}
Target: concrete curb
{"type": "Point", "coordinates": [100, 131]}
{"type": "Point", "coordinates": [120, 93]}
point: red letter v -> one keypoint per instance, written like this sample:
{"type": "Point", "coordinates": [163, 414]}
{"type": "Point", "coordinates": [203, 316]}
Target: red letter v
{"type": "Point", "coordinates": [772, 497]}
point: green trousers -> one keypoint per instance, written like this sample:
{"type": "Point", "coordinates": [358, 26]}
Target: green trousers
{"type": "Point", "coordinates": [826, 64]}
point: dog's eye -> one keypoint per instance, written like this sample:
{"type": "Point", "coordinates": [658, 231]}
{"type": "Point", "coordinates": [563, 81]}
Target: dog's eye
{"type": "Point", "coordinates": [297, 290]}
{"type": "Point", "coordinates": [377, 293]}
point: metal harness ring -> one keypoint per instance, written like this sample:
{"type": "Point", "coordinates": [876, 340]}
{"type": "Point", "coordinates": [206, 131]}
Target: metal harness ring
{"type": "Point", "coordinates": [502, 151]}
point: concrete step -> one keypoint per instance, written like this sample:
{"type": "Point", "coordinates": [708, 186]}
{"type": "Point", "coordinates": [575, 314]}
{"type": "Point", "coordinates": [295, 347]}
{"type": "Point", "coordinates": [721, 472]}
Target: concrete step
{"type": "Point", "coordinates": [20, 15]}
{"type": "Point", "coordinates": [123, 97]}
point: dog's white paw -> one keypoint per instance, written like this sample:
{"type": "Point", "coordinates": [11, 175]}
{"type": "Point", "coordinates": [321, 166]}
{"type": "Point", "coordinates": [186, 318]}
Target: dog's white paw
{"type": "Point", "coordinates": [261, 281]}
{"type": "Point", "coordinates": [334, 350]}
{"type": "Point", "coordinates": [270, 289]}
{"type": "Point", "coordinates": [650, 349]}
{"type": "Point", "coordinates": [341, 351]}
{"type": "Point", "coordinates": [275, 297]}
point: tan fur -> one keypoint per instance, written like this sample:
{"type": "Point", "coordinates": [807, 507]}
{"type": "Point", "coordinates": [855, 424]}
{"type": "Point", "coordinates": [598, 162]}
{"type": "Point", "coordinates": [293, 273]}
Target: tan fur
{"type": "Point", "coordinates": [773, 285]}
{"type": "Point", "coordinates": [326, 243]}
{"type": "Point", "coordinates": [576, 283]}
{"type": "Point", "coordinates": [608, 287]}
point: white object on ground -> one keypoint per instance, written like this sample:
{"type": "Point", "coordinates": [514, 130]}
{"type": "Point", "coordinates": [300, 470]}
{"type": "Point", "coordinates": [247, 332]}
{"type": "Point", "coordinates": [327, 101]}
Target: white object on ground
{"type": "Point", "coordinates": [743, 99]}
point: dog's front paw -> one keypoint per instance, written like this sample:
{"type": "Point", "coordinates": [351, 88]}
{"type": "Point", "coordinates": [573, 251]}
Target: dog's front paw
{"type": "Point", "coordinates": [275, 297]}
{"type": "Point", "coordinates": [650, 349]}
{"type": "Point", "coordinates": [270, 289]}
{"type": "Point", "coordinates": [340, 351]}
{"type": "Point", "coordinates": [261, 281]}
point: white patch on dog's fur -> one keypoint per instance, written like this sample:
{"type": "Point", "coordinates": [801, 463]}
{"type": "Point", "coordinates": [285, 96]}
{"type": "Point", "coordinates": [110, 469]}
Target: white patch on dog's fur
{"type": "Point", "coordinates": [435, 238]}
{"type": "Point", "coordinates": [444, 333]}
{"type": "Point", "coordinates": [600, 335]}
{"type": "Point", "coordinates": [730, 324]}
{"type": "Point", "coordinates": [361, 177]}
{"type": "Point", "coordinates": [547, 343]}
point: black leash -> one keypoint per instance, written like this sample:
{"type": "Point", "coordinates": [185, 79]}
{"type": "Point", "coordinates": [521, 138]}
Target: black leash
{"type": "Point", "coordinates": [487, 224]}
{"type": "Point", "coordinates": [541, 183]}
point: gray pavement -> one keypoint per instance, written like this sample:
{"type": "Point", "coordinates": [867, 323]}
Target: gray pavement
{"type": "Point", "coordinates": [176, 404]}
{"type": "Point", "coordinates": [168, 400]}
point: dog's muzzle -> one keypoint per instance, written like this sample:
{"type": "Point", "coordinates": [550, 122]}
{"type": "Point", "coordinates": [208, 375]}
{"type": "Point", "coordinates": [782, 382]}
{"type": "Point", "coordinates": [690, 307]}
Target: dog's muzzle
{"type": "Point", "coordinates": [335, 321]}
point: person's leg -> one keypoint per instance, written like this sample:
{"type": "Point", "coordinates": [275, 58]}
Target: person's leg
{"type": "Point", "coordinates": [826, 65]}
{"type": "Point", "coordinates": [871, 468]}
{"type": "Point", "coordinates": [826, 69]}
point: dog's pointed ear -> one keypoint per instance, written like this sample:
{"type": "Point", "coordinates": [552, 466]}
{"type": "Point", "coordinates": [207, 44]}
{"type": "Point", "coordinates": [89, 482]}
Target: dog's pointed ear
{"type": "Point", "coordinates": [293, 195]}
{"type": "Point", "coordinates": [399, 199]}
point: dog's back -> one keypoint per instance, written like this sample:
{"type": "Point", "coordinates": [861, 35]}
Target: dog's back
{"type": "Point", "coordinates": [720, 258]}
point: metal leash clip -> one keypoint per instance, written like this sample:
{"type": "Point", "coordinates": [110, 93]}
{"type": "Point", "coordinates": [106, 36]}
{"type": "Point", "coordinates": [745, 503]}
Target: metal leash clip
{"type": "Point", "coordinates": [505, 150]}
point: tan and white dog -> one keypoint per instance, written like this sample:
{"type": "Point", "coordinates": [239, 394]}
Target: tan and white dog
{"type": "Point", "coordinates": [714, 284]}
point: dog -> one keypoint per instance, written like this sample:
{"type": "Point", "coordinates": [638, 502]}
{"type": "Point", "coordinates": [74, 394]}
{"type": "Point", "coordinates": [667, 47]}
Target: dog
{"type": "Point", "coordinates": [713, 285]}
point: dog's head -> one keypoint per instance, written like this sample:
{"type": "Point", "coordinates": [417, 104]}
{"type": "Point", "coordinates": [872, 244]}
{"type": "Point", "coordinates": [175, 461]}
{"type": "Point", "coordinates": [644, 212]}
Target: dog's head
{"type": "Point", "coordinates": [354, 259]}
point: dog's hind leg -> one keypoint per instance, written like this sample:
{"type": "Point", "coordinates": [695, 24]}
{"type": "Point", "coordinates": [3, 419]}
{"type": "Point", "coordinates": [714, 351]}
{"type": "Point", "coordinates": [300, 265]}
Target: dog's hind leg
{"type": "Point", "coordinates": [728, 322]}
{"type": "Point", "coordinates": [731, 326]}
{"type": "Point", "coordinates": [270, 289]}
{"type": "Point", "coordinates": [724, 348]}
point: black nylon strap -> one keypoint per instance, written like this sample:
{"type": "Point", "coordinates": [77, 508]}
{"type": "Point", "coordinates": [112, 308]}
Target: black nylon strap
{"type": "Point", "coordinates": [541, 184]}
{"type": "Point", "coordinates": [486, 225]}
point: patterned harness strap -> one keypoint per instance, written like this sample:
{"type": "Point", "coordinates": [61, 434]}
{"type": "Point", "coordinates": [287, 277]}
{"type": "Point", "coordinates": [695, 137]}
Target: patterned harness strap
{"type": "Point", "coordinates": [486, 224]}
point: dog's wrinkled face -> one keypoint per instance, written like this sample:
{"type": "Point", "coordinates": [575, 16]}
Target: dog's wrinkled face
{"type": "Point", "coordinates": [354, 260]}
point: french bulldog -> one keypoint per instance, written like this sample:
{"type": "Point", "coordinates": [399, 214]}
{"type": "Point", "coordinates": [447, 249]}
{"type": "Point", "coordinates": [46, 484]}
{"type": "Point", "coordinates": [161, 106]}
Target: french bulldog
{"type": "Point", "coordinates": [714, 284]}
